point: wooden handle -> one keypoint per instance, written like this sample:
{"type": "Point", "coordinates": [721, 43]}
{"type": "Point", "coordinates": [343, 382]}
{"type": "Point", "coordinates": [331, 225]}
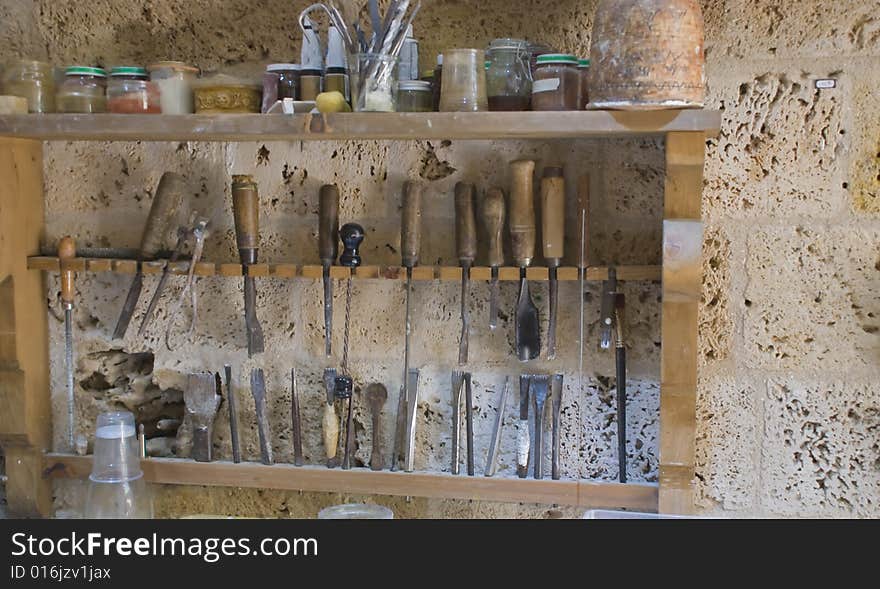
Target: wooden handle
{"type": "Point", "coordinates": [330, 425]}
{"type": "Point", "coordinates": [163, 214]}
{"type": "Point", "coordinates": [465, 223]}
{"type": "Point", "coordinates": [246, 211]}
{"type": "Point", "coordinates": [493, 220]}
{"type": "Point", "coordinates": [553, 214]}
{"type": "Point", "coordinates": [66, 254]}
{"type": "Point", "coordinates": [411, 224]}
{"type": "Point", "coordinates": [583, 221]}
{"type": "Point", "coordinates": [522, 211]}
{"type": "Point", "coordinates": [376, 454]}
{"type": "Point", "coordinates": [328, 223]}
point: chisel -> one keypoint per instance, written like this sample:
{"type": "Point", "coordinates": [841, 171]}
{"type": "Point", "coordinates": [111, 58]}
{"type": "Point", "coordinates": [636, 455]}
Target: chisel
{"type": "Point", "coordinates": [556, 399]}
{"type": "Point", "coordinates": [466, 247]}
{"type": "Point", "coordinates": [162, 216]}
{"type": "Point", "coordinates": [583, 211]}
{"type": "Point", "coordinates": [412, 405]}
{"type": "Point", "coordinates": [233, 414]}
{"type": "Point", "coordinates": [538, 391]}
{"type": "Point", "coordinates": [328, 234]}
{"type": "Point", "coordinates": [398, 444]}
{"type": "Point", "coordinates": [522, 237]}
{"type": "Point", "coordinates": [296, 421]}
{"type": "Point", "coordinates": [258, 390]}
{"type": "Point", "coordinates": [522, 437]}
{"type": "Point", "coordinates": [201, 402]}
{"type": "Point", "coordinates": [553, 237]}
{"type": "Point", "coordinates": [183, 234]}
{"type": "Point", "coordinates": [495, 442]}
{"type": "Point", "coordinates": [330, 421]}
{"type": "Point", "coordinates": [66, 256]}
{"type": "Point", "coordinates": [469, 421]}
{"type": "Point", "coordinates": [457, 390]}
{"type": "Point", "coordinates": [246, 212]}
{"type": "Point", "coordinates": [492, 212]}
{"type": "Point", "coordinates": [410, 243]}
{"type": "Point", "coordinates": [620, 357]}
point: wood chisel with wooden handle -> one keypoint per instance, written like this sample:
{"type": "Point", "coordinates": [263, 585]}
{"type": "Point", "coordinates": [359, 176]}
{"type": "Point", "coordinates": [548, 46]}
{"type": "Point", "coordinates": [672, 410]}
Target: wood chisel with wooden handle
{"type": "Point", "coordinates": [328, 234]}
{"type": "Point", "coordinates": [246, 212]}
{"type": "Point", "coordinates": [522, 436]}
{"type": "Point", "coordinates": [296, 421]}
{"type": "Point", "coordinates": [66, 256]}
{"type": "Point", "coordinates": [522, 237]}
{"type": "Point", "coordinates": [553, 237]}
{"type": "Point", "coordinates": [492, 212]}
{"type": "Point", "coordinates": [410, 245]}
{"type": "Point", "coordinates": [201, 402]}
{"type": "Point", "coordinates": [163, 215]}
{"type": "Point", "coordinates": [539, 391]}
{"type": "Point", "coordinates": [330, 420]}
{"type": "Point", "coordinates": [258, 390]}
{"type": "Point", "coordinates": [466, 247]}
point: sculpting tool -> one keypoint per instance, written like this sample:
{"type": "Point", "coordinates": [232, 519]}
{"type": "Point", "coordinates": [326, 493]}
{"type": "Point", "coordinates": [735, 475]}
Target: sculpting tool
{"type": "Point", "coordinates": [492, 212]}
{"type": "Point", "coordinates": [538, 392]}
{"type": "Point", "coordinates": [66, 256]}
{"type": "Point", "coordinates": [328, 234]}
{"type": "Point", "coordinates": [201, 402]}
{"type": "Point", "coordinates": [258, 390]}
{"type": "Point", "coordinates": [469, 421]}
{"type": "Point", "coordinates": [330, 421]}
{"type": "Point", "coordinates": [522, 436]}
{"type": "Point", "coordinates": [495, 442]}
{"type": "Point", "coordinates": [296, 421]}
{"type": "Point", "coordinates": [246, 211]}
{"type": "Point", "coordinates": [233, 414]}
{"type": "Point", "coordinates": [183, 234]}
{"type": "Point", "coordinates": [412, 403]}
{"type": "Point", "coordinates": [457, 390]}
{"type": "Point", "coordinates": [410, 244]}
{"type": "Point", "coordinates": [398, 443]}
{"type": "Point", "coordinates": [620, 356]}
{"type": "Point", "coordinates": [553, 237]}
{"type": "Point", "coordinates": [583, 208]}
{"type": "Point", "coordinates": [556, 399]}
{"type": "Point", "coordinates": [466, 246]}
{"type": "Point", "coordinates": [352, 236]}
{"type": "Point", "coordinates": [522, 236]}
{"type": "Point", "coordinates": [376, 395]}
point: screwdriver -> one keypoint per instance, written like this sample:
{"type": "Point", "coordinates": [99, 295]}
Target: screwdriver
{"type": "Point", "coordinates": [492, 211]}
{"type": "Point", "coordinates": [66, 256]}
{"type": "Point", "coordinates": [553, 234]}
{"type": "Point", "coordinates": [466, 246]}
{"type": "Point", "coordinates": [328, 233]}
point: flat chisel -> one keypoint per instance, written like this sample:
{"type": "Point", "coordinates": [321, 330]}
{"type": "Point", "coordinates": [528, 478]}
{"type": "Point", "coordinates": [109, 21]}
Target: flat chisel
{"type": "Point", "coordinates": [412, 405]}
{"type": "Point", "coordinates": [495, 442]}
{"type": "Point", "coordinates": [66, 256]}
{"type": "Point", "coordinates": [246, 211]}
{"type": "Point", "coordinates": [556, 400]}
{"type": "Point", "coordinates": [522, 436]}
{"type": "Point", "coordinates": [538, 391]}
{"type": "Point", "coordinates": [466, 248]}
{"type": "Point", "coordinates": [620, 357]}
{"type": "Point", "coordinates": [328, 234]}
{"type": "Point", "coordinates": [410, 244]}
{"type": "Point", "coordinates": [163, 214]}
{"type": "Point", "coordinates": [522, 238]}
{"type": "Point", "coordinates": [492, 212]}
{"type": "Point", "coordinates": [201, 402]}
{"type": "Point", "coordinates": [258, 390]}
{"type": "Point", "coordinates": [233, 414]}
{"type": "Point", "coordinates": [553, 237]}
{"type": "Point", "coordinates": [583, 211]}
{"type": "Point", "coordinates": [296, 421]}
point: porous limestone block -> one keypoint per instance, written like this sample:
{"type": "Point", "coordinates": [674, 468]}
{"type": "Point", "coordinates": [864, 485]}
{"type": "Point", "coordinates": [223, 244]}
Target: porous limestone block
{"type": "Point", "coordinates": [716, 321]}
{"type": "Point", "coordinates": [864, 170]}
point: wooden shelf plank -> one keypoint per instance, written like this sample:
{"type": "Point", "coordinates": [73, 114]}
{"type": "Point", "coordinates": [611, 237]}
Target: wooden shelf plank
{"type": "Point", "coordinates": [293, 271]}
{"type": "Point", "coordinates": [345, 126]}
{"type": "Point", "coordinates": [172, 471]}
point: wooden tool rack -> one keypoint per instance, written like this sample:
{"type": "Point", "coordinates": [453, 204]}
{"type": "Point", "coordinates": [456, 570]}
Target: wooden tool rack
{"type": "Point", "coordinates": [25, 411]}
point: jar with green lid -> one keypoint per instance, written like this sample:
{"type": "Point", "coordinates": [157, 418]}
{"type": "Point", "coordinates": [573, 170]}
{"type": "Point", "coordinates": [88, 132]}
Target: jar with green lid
{"type": "Point", "coordinates": [414, 96]}
{"type": "Point", "coordinates": [508, 75]}
{"type": "Point", "coordinates": [84, 90]}
{"type": "Point", "coordinates": [584, 73]}
{"type": "Point", "coordinates": [131, 92]}
{"type": "Point", "coordinates": [557, 83]}
{"type": "Point", "coordinates": [32, 80]}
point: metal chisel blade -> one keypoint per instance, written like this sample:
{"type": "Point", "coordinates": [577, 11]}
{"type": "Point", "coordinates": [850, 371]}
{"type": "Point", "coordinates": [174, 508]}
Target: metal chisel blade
{"type": "Point", "coordinates": [254, 330]}
{"type": "Point", "coordinates": [528, 329]}
{"type": "Point", "coordinates": [68, 359]}
{"type": "Point", "coordinates": [493, 299]}
{"type": "Point", "coordinates": [554, 302]}
{"type": "Point", "coordinates": [328, 311]}
{"type": "Point", "coordinates": [131, 301]}
{"type": "Point", "coordinates": [258, 390]}
{"type": "Point", "coordinates": [495, 441]}
{"type": "Point", "coordinates": [412, 402]}
{"type": "Point", "coordinates": [463, 341]}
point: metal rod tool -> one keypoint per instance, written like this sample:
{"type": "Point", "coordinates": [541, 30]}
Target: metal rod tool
{"type": "Point", "coordinates": [492, 212]}
{"type": "Point", "coordinates": [201, 402]}
{"type": "Point", "coordinates": [410, 244]}
{"type": "Point", "coordinates": [522, 436]}
{"type": "Point", "coordinates": [457, 391]}
{"type": "Point", "coordinates": [330, 421]}
{"type": "Point", "coordinates": [556, 400]}
{"type": "Point", "coordinates": [553, 238]}
{"type": "Point", "coordinates": [258, 390]}
{"type": "Point", "coordinates": [466, 247]}
{"type": "Point", "coordinates": [469, 421]}
{"type": "Point", "coordinates": [522, 236]}
{"type": "Point", "coordinates": [376, 395]}
{"type": "Point", "coordinates": [198, 234]}
{"type": "Point", "coordinates": [583, 211]}
{"type": "Point", "coordinates": [412, 404]}
{"type": "Point", "coordinates": [620, 356]}
{"type": "Point", "coordinates": [233, 414]}
{"type": "Point", "coordinates": [296, 421]}
{"type": "Point", "coordinates": [328, 235]}
{"type": "Point", "coordinates": [538, 391]}
{"type": "Point", "coordinates": [66, 256]}
{"type": "Point", "coordinates": [398, 444]}
{"type": "Point", "coordinates": [495, 442]}
{"type": "Point", "coordinates": [344, 392]}
{"type": "Point", "coordinates": [163, 212]}
{"type": "Point", "coordinates": [246, 211]}
{"type": "Point", "coordinates": [183, 235]}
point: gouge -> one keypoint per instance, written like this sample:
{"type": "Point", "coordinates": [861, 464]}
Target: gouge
{"type": "Point", "coordinates": [376, 395]}
{"type": "Point", "coordinates": [522, 436]}
{"type": "Point", "coordinates": [410, 243]}
{"type": "Point", "coordinates": [553, 236]}
{"type": "Point", "coordinates": [522, 237]}
{"type": "Point", "coordinates": [330, 421]}
{"type": "Point", "coordinates": [296, 421]}
{"type": "Point", "coordinates": [201, 402]}
{"type": "Point", "coordinates": [233, 414]}
{"type": "Point", "coordinates": [492, 212]}
{"type": "Point", "coordinates": [246, 211]}
{"type": "Point", "coordinates": [66, 256]}
{"type": "Point", "coordinates": [258, 390]}
{"type": "Point", "coordinates": [466, 246]}
{"type": "Point", "coordinates": [328, 234]}
{"type": "Point", "coordinates": [163, 212]}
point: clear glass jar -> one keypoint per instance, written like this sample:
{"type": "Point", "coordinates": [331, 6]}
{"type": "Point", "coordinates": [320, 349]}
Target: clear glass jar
{"type": "Point", "coordinates": [130, 92]}
{"type": "Point", "coordinates": [84, 90]}
{"type": "Point", "coordinates": [175, 80]}
{"type": "Point", "coordinates": [557, 83]}
{"type": "Point", "coordinates": [414, 96]}
{"type": "Point", "coordinates": [509, 76]}
{"type": "Point", "coordinates": [464, 81]}
{"type": "Point", "coordinates": [584, 73]}
{"type": "Point", "coordinates": [32, 80]}
{"type": "Point", "coordinates": [288, 79]}
{"type": "Point", "coordinates": [374, 83]}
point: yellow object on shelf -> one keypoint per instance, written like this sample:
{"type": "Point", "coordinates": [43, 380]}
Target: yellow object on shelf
{"type": "Point", "coordinates": [328, 102]}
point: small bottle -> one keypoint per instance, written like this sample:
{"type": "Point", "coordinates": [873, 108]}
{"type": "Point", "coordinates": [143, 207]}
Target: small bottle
{"type": "Point", "coordinates": [33, 80]}
{"type": "Point", "coordinates": [175, 80]}
{"type": "Point", "coordinates": [414, 96]}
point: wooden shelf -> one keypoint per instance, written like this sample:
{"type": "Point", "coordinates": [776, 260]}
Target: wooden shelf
{"type": "Point", "coordinates": [171, 471]}
{"type": "Point", "coordinates": [421, 273]}
{"type": "Point", "coordinates": [346, 126]}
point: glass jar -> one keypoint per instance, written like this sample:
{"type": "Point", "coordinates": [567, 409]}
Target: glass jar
{"type": "Point", "coordinates": [464, 81]}
{"type": "Point", "coordinates": [584, 73]}
{"type": "Point", "coordinates": [175, 81]}
{"type": "Point", "coordinates": [131, 92]}
{"type": "Point", "coordinates": [557, 83]}
{"type": "Point", "coordinates": [336, 80]}
{"type": "Point", "coordinates": [437, 82]}
{"type": "Point", "coordinates": [509, 76]}
{"type": "Point", "coordinates": [84, 90]}
{"type": "Point", "coordinates": [414, 96]}
{"type": "Point", "coordinates": [374, 83]}
{"type": "Point", "coordinates": [32, 80]}
{"type": "Point", "coordinates": [288, 79]}
{"type": "Point", "coordinates": [310, 84]}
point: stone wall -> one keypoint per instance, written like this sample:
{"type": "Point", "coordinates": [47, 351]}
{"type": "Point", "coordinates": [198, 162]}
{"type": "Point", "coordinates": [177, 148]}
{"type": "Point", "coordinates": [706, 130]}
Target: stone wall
{"type": "Point", "coordinates": [789, 400]}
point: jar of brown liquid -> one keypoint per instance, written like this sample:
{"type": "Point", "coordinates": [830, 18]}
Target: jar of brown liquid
{"type": "Point", "coordinates": [508, 76]}
{"type": "Point", "coordinates": [584, 73]}
{"type": "Point", "coordinates": [557, 84]}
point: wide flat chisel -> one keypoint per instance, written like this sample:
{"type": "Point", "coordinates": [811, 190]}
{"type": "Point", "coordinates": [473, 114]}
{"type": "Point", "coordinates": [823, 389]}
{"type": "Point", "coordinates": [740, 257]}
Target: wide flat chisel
{"type": "Point", "coordinates": [162, 217]}
{"type": "Point", "coordinates": [328, 234]}
{"type": "Point", "coordinates": [492, 213]}
{"type": "Point", "coordinates": [539, 391]}
{"type": "Point", "coordinates": [553, 237]}
{"type": "Point", "coordinates": [246, 212]}
{"type": "Point", "coordinates": [66, 256]}
{"type": "Point", "coordinates": [466, 248]}
{"type": "Point", "coordinates": [522, 238]}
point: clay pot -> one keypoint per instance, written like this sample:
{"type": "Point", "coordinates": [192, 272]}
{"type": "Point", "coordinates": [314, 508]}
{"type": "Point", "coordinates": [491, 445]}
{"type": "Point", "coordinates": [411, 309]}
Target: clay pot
{"type": "Point", "coordinates": [647, 54]}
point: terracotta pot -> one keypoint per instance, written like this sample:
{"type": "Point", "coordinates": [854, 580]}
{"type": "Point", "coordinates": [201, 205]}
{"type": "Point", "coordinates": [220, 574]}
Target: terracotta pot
{"type": "Point", "coordinates": [647, 54]}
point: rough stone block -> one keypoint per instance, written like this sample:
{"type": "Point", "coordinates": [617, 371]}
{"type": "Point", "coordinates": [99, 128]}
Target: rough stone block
{"type": "Point", "coordinates": [716, 322]}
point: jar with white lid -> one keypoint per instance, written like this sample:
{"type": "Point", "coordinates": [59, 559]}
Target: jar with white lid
{"type": "Point", "coordinates": [84, 91]}
{"type": "Point", "coordinates": [175, 81]}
